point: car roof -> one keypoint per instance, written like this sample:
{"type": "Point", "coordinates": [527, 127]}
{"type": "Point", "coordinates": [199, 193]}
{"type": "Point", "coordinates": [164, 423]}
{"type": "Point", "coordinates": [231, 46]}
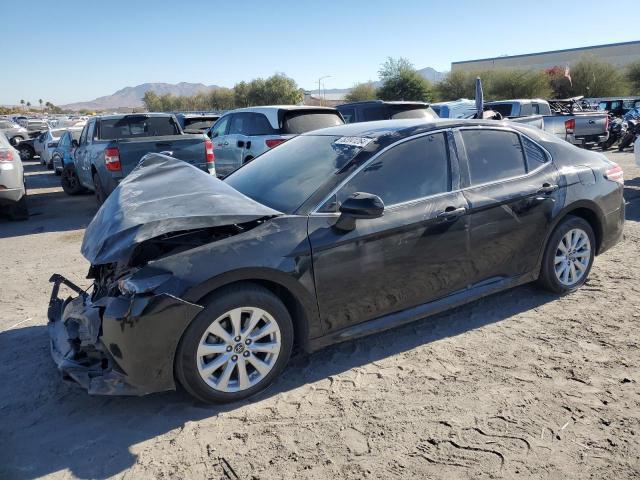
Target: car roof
{"type": "Point", "coordinates": [272, 111]}
{"type": "Point", "coordinates": [385, 102]}
{"type": "Point", "coordinates": [141, 114]}
{"type": "Point", "coordinates": [404, 127]}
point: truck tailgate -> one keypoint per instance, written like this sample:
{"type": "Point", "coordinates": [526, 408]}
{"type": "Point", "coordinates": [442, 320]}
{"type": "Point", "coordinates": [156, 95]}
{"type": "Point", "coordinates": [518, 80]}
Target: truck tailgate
{"type": "Point", "coordinates": [188, 148]}
{"type": "Point", "coordinates": [589, 123]}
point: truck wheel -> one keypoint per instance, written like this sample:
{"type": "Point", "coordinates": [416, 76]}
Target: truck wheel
{"type": "Point", "coordinates": [20, 211]}
{"type": "Point", "coordinates": [236, 346]}
{"type": "Point", "coordinates": [70, 181]}
{"type": "Point", "coordinates": [97, 188]}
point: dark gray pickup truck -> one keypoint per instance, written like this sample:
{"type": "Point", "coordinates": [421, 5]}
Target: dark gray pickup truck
{"type": "Point", "coordinates": [111, 146]}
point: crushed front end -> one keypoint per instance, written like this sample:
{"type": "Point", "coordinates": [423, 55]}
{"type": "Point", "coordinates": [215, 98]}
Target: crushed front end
{"type": "Point", "coordinates": [115, 343]}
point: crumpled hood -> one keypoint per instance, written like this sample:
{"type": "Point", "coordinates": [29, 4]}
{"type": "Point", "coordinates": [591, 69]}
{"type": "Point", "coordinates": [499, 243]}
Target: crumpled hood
{"type": "Point", "coordinates": [163, 195]}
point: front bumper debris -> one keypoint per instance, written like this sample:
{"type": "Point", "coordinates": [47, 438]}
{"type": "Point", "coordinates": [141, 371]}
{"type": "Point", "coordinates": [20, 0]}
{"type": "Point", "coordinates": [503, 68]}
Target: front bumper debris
{"type": "Point", "coordinates": [116, 345]}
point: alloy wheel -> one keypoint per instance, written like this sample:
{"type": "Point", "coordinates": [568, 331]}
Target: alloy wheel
{"type": "Point", "coordinates": [572, 257]}
{"type": "Point", "coordinates": [239, 349]}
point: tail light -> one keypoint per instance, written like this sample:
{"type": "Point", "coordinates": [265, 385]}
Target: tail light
{"type": "Point", "coordinates": [570, 125]}
{"type": "Point", "coordinates": [112, 159]}
{"type": "Point", "coordinates": [6, 155]}
{"type": "Point", "coordinates": [210, 157]}
{"type": "Point", "coordinates": [274, 142]}
{"type": "Point", "coordinates": [615, 174]}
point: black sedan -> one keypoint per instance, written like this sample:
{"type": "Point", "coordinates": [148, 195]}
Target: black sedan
{"type": "Point", "coordinates": [335, 234]}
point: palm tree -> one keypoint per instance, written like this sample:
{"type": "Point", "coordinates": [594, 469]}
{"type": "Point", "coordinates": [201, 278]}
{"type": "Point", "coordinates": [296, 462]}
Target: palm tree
{"type": "Point", "coordinates": [22, 103]}
{"type": "Point", "coordinates": [40, 104]}
{"type": "Point", "coordinates": [28, 105]}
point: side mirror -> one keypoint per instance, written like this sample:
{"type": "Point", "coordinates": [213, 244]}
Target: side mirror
{"type": "Point", "coordinates": [74, 143]}
{"type": "Point", "coordinates": [359, 205]}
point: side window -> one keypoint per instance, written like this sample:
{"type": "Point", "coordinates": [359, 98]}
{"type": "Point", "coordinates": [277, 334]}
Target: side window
{"type": "Point", "coordinates": [349, 114]}
{"type": "Point", "coordinates": [525, 109]}
{"type": "Point", "coordinates": [240, 123]}
{"type": "Point", "coordinates": [90, 127]}
{"type": "Point", "coordinates": [493, 155]}
{"type": "Point", "coordinates": [411, 170]}
{"type": "Point", "coordinates": [220, 127]}
{"type": "Point", "coordinates": [83, 135]}
{"type": "Point", "coordinates": [535, 155]}
{"type": "Point", "coordinates": [259, 125]}
{"type": "Point", "coordinates": [379, 112]}
{"type": "Point", "coordinates": [535, 108]}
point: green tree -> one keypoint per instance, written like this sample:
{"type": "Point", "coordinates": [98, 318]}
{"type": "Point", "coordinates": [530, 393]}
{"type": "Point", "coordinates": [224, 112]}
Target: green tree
{"type": "Point", "coordinates": [594, 78]}
{"type": "Point", "coordinates": [241, 94]}
{"type": "Point", "coordinates": [559, 84]}
{"type": "Point", "coordinates": [40, 101]}
{"type": "Point", "coordinates": [633, 76]}
{"type": "Point", "coordinates": [221, 99]}
{"type": "Point", "coordinates": [456, 85]}
{"type": "Point", "coordinates": [151, 101]}
{"type": "Point", "coordinates": [28, 105]}
{"type": "Point", "coordinates": [401, 81]}
{"type": "Point", "coordinates": [514, 83]}
{"type": "Point", "coordinates": [22, 104]}
{"type": "Point", "coordinates": [361, 92]}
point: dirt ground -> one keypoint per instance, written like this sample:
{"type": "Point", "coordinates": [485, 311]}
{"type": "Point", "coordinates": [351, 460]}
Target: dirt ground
{"type": "Point", "coordinates": [522, 384]}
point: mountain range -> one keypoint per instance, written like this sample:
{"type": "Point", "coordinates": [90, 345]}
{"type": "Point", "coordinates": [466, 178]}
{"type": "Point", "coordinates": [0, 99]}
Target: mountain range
{"type": "Point", "coordinates": [131, 97]}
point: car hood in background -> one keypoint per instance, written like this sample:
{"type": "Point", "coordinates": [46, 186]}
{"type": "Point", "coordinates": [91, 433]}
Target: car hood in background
{"type": "Point", "coordinates": [163, 195]}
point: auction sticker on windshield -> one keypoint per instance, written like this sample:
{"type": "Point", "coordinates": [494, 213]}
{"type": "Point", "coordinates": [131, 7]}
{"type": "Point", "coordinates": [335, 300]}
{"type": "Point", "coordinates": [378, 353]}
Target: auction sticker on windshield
{"type": "Point", "coordinates": [354, 141]}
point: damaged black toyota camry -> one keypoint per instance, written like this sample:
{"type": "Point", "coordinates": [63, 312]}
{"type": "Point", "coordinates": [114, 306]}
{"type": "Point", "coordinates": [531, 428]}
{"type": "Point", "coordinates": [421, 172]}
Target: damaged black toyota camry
{"type": "Point", "coordinates": [333, 235]}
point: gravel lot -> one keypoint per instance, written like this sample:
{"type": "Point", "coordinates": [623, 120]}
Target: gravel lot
{"type": "Point", "coordinates": [520, 384]}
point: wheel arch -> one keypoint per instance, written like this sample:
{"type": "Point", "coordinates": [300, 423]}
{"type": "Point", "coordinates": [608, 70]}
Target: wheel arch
{"type": "Point", "coordinates": [297, 300]}
{"type": "Point", "coordinates": [588, 211]}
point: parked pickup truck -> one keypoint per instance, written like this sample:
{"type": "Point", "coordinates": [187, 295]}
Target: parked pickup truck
{"type": "Point", "coordinates": [564, 118]}
{"type": "Point", "coordinates": [111, 146]}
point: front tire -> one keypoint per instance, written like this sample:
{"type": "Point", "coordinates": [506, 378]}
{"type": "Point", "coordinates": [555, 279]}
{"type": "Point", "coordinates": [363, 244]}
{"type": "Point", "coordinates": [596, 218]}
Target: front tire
{"type": "Point", "coordinates": [568, 256]}
{"type": "Point", "coordinates": [236, 346]}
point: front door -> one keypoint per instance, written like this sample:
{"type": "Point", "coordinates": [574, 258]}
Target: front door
{"type": "Point", "coordinates": [416, 252]}
{"type": "Point", "coordinates": [512, 191]}
{"type": "Point", "coordinates": [218, 136]}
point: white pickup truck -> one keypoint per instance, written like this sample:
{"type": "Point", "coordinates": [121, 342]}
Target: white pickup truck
{"type": "Point", "coordinates": [563, 118]}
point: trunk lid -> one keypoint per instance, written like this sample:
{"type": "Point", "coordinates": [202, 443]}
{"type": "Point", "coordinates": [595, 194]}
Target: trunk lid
{"type": "Point", "coordinates": [164, 195]}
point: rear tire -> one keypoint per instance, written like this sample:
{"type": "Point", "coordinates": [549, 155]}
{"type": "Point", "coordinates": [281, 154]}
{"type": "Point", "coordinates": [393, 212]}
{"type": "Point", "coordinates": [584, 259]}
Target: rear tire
{"type": "Point", "coordinates": [70, 182]}
{"type": "Point", "coordinates": [568, 256]}
{"type": "Point", "coordinates": [97, 188]}
{"type": "Point", "coordinates": [241, 359]}
{"type": "Point", "coordinates": [26, 152]}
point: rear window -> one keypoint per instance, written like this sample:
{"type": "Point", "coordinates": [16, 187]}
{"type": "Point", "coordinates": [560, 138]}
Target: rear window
{"type": "Point", "coordinates": [132, 127]}
{"type": "Point", "coordinates": [198, 124]}
{"type": "Point", "coordinates": [302, 122]}
{"type": "Point", "coordinates": [412, 112]}
{"type": "Point", "coordinates": [503, 109]}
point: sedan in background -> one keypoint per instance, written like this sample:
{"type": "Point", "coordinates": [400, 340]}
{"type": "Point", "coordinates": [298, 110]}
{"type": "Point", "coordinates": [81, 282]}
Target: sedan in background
{"type": "Point", "coordinates": [14, 132]}
{"type": "Point", "coordinates": [241, 135]}
{"type": "Point", "coordinates": [62, 160]}
{"type": "Point", "coordinates": [45, 143]}
{"type": "Point", "coordinates": [336, 234]}
{"type": "Point", "coordinates": [13, 194]}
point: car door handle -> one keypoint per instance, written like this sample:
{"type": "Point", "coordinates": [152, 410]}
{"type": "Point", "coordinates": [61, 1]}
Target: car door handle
{"type": "Point", "coordinates": [240, 143]}
{"type": "Point", "coordinates": [547, 188]}
{"type": "Point", "coordinates": [451, 213]}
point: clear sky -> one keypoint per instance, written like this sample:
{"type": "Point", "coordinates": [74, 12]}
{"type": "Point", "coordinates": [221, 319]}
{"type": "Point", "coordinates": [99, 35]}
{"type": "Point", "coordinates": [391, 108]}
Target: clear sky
{"type": "Point", "coordinates": [72, 50]}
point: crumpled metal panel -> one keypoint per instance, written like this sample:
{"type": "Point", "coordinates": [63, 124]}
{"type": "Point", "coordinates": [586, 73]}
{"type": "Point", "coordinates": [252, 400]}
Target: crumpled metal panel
{"type": "Point", "coordinates": [163, 195]}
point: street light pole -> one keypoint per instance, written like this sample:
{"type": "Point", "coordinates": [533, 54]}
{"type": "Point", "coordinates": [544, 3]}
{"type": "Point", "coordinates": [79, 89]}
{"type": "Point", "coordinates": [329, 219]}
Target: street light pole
{"type": "Point", "coordinates": [319, 94]}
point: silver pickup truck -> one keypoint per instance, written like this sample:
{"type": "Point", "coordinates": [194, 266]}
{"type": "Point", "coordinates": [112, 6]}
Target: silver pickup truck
{"type": "Point", "coordinates": [564, 118]}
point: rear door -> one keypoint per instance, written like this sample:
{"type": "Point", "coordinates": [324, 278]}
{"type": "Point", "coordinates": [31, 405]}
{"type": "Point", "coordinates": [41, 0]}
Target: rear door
{"type": "Point", "coordinates": [414, 253]}
{"type": "Point", "coordinates": [512, 188]}
{"type": "Point", "coordinates": [235, 142]}
{"type": "Point", "coordinates": [218, 135]}
{"type": "Point", "coordinates": [79, 156]}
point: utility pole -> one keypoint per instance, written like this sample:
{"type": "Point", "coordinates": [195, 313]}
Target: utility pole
{"type": "Point", "coordinates": [319, 88]}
